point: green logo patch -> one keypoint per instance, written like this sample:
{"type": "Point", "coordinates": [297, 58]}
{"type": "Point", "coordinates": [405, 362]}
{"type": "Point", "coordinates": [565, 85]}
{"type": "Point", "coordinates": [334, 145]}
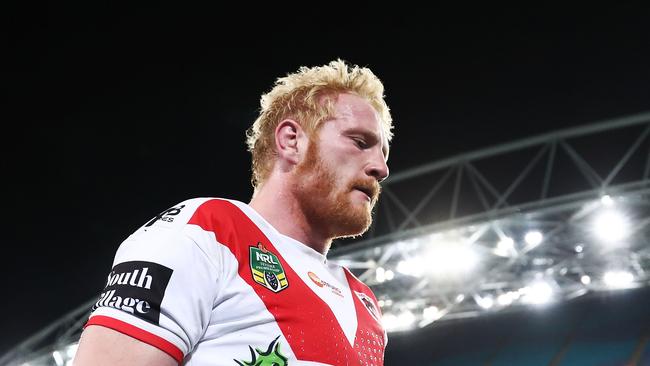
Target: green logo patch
{"type": "Point", "coordinates": [266, 269]}
{"type": "Point", "coordinates": [272, 356]}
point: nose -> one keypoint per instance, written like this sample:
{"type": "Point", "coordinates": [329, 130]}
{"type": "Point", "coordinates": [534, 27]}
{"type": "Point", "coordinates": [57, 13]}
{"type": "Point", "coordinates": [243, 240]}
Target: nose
{"type": "Point", "coordinates": [377, 167]}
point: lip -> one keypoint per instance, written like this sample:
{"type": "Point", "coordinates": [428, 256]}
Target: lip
{"type": "Point", "coordinates": [364, 193]}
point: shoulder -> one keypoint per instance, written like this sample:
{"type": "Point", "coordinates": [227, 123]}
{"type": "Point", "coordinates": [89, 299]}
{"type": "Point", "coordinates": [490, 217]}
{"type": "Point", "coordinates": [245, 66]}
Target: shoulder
{"type": "Point", "coordinates": [177, 235]}
{"type": "Point", "coordinates": [209, 226]}
{"type": "Point", "coordinates": [184, 212]}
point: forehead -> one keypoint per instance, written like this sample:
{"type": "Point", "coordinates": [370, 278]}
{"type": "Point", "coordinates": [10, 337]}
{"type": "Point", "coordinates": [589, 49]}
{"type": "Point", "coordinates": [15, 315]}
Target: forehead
{"type": "Point", "coordinates": [354, 114]}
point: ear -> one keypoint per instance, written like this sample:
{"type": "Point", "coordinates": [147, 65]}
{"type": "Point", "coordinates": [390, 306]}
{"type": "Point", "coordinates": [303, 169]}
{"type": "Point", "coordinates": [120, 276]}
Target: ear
{"type": "Point", "coordinates": [289, 137]}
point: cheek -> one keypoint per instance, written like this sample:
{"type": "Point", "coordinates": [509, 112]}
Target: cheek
{"type": "Point", "coordinates": [341, 165]}
{"type": "Point", "coordinates": [346, 160]}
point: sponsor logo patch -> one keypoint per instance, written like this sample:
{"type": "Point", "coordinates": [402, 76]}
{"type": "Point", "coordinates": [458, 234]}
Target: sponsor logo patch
{"type": "Point", "coordinates": [167, 215]}
{"type": "Point", "coordinates": [266, 269]}
{"type": "Point", "coordinates": [315, 279]}
{"type": "Point", "coordinates": [137, 288]}
{"type": "Point", "coordinates": [320, 283]}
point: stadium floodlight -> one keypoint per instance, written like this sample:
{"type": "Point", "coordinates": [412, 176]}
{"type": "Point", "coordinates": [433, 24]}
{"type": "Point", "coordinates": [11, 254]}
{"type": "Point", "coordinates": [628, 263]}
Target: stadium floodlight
{"type": "Point", "coordinates": [380, 274]}
{"type": "Point", "coordinates": [485, 302]}
{"type": "Point", "coordinates": [611, 226]}
{"type": "Point", "coordinates": [507, 298]}
{"type": "Point", "coordinates": [430, 313]}
{"type": "Point", "coordinates": [389, 321]}
{"type": "Point", "coordinates": [405, 320]}
{"type": "Point", "coordinates": [409, 267]}
{"type": "Point", "coordinates": [451, 259]}
{"type": "Point", "coordinates": [505, 247]}
{"type": "Point", "coordinates": [58, 358]}
{"type": "Point", "coordinates": [533, 238]}
{"type": "Point", "coordinates": [537, 293]}
{"type": "Point", "coordinates": [389, 275]}
{"type": "Point", "coordinates": [618, 279]}
{"type": "Point", "coordinates": [606, 200]}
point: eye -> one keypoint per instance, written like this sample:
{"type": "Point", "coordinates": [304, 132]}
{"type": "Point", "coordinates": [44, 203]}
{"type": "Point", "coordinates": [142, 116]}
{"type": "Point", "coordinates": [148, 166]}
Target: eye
{"type": "Point", "coordinates": [361, 143]}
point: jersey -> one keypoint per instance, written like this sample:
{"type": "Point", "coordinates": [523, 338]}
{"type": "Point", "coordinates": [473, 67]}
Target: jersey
{"type": "Point", "coordinates": [210, 282]}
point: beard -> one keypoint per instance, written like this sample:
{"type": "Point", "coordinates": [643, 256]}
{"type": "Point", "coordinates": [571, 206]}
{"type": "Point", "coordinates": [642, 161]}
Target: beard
{"type": "Point", "coordinates": [327, 205]}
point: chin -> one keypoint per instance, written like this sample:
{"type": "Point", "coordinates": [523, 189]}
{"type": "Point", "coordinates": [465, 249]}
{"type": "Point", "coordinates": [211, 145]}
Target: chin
{"type": "Point", "coordinates": [355, 223]}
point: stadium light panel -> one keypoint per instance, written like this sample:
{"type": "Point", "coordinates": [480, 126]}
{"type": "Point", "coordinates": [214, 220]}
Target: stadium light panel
{"type": "Point", "coordinates": [533, 238]}
{"type": "Point", "coordinates": [537, 293]}
{"type": "Point", "coordinates": [611, 226]}
{"type": "Point", "coordinates": [618, 279]}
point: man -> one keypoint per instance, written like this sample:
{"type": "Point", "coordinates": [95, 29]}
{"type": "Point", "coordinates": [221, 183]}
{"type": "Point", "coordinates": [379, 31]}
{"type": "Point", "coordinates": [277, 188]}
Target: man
{"type": "Point", "coordinates": [219, 282]}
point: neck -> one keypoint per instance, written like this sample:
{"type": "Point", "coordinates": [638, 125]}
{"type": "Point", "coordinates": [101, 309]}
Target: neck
{"type": "Point", "coordinates": [275, 203]}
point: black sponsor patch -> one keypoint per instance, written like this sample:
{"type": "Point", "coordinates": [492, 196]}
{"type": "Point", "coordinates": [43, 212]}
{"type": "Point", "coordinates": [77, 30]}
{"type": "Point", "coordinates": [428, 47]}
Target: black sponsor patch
{"type": "Point", "coordinates": [136, 287]}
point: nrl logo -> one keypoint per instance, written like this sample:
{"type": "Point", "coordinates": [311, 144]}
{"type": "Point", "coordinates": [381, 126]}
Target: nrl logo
{"type": "Point", "coordinates": [266, 269]}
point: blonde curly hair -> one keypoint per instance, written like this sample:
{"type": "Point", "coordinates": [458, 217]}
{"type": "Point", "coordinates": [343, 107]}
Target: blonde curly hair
{"type": "Point", "coordinates": [298, 96]}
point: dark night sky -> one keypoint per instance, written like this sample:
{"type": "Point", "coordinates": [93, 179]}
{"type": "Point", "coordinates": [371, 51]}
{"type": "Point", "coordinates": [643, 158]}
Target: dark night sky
{"type": "Point", "coordinates": [113, 114]}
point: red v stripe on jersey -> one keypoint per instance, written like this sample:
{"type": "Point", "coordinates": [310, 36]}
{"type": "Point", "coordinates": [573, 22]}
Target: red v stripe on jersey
{"type": "Point", "coordinates": [370, 340]}
{"type": "Point", "coordinates": [307, 322]}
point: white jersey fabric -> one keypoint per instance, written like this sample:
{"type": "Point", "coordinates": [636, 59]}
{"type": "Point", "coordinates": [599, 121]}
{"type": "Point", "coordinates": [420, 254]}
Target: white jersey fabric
{"type": "Point", "coordinates": [210, 282]}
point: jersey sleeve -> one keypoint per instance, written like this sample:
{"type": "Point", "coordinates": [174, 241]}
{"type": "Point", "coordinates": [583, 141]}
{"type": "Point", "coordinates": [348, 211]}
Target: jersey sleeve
{"type": "Point", "coordinates": [163, 285]}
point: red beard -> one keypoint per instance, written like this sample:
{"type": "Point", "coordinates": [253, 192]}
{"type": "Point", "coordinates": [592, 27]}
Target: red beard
{"type": "Point", "coordinates": [327, 206]}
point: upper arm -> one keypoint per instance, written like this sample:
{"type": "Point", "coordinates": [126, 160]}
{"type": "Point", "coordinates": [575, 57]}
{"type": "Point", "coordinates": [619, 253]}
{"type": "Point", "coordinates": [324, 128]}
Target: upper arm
{"type": "Point", "coordinates": [100, 346]}
{"type": "Point", "coordinates": [160, 292]}
{"type": "Point", "coordinates": [162, 287]}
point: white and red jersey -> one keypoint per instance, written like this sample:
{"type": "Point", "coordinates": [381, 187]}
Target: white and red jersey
{"type": "Point", "coordinates": [210, 282]}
